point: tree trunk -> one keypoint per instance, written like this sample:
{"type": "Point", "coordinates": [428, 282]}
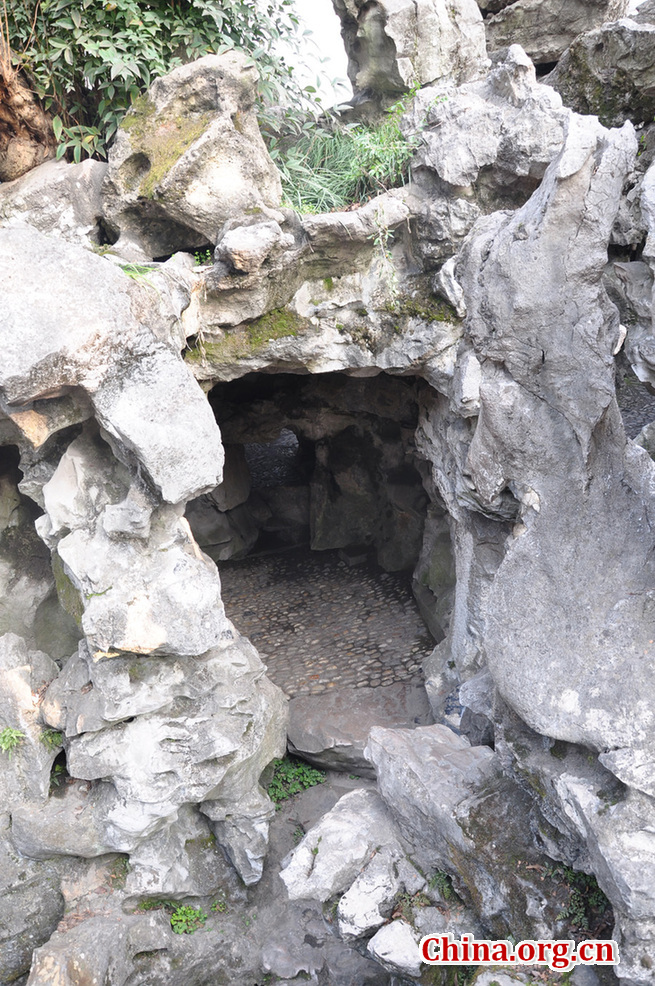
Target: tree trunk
{"type": "Point", "coordinates": [26, 137]}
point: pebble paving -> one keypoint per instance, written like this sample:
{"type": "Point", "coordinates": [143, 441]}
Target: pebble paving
{"type": "Point", "coordinates": [319, 623]}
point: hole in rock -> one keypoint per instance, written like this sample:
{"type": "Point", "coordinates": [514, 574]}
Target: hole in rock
{"type": "Point", "coordinates": [333, 548]}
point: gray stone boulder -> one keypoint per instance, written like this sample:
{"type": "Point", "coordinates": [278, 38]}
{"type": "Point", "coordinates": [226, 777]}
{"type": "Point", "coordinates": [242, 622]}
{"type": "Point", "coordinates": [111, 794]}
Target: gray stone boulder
{"type": "Point", "coordinates": [545, 28]}
{"type": "Point", "coordinates": [331, 855]}
{"type": "Point", "coordinates": [483, 146]}
{"type": "Point", "coordinates": [57, 198]}
{"type": "Point", "coordinates": [24, 677]}
{"type": "Point", "coordinates": [186, 158]}
{"type": "Point", "coordinates": [331, 730]}
{"type": "Point", "coordinates": [32, 906]}
{"type": "Point", "coordinates": [567, 684]}
{"type": "Point", "coordinates": [393, 47]}
{"type": "Point", "coordinates": [119, 349]}
{"type": "Point", "coordinates": [368, 902]}
{"type": "Point", "coordinates": [120, 559]}
{"type": "Point", "coordinates": [459, 814]}
{"type": "Point", "coordinates": [396, 948]}
{"type": "Point", "coordinates": [610, 71]}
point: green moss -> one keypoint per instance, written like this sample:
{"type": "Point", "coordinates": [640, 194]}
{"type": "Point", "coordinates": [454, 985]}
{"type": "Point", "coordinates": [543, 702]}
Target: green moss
{"type": "Point", "coordinates": [244, 341]}
{"type": "Point", "coordinates": [161, 139]}
{"type": "Point", "coordinates": [430, 310]}
{"type": "Point", "coordinates": [328, 283]}
{"type": "Point", "coordinates": [558, 750]}
{"type": "Point", "coordinates": [69, 597]}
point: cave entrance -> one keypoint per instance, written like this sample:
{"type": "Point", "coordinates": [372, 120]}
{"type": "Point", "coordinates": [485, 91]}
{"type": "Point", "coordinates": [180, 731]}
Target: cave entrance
{"type": "Point", "coordinates": [333, 548]}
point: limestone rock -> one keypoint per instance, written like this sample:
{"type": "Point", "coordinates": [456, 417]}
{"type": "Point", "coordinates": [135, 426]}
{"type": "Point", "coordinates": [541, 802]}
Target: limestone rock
{"type": "Point", "coordinates": [113, 528]}
{"type": "Point", "coordinates": [102, 946]}
{"type": "Point", "coordinates": [396, 947]}
{"type": "Point", "coordinates": [394, 46]}
{"type": "Point", "coordinates": [57, 198]}
{"type": "Point", "coordinates": [508, 121]}
{"type": "Point", "coordinates": [32, 906]}
{"type": "Point", "coordinates": [333, 852]}
{"type": "Point", "coordinates": [443, 794]}
{"type": "Point", "coordinates": [24, 676]}
{"type": "Point", "coordinates": [610, 71]}
{"type": "Point", "coordinates": [545, 28]}
{"type": "Point", "coordinates": [331, 730]}
{"type": "Point", "coordinates": [565, 694]}
{"type": "Point", "coordinates": [368, 901]}
{"type": "Point", "coordinates": [52, 346]}
{"type": "Point", "coordinates": [484, 146]}
{"type": "Point", "coordinates": [187, 157]}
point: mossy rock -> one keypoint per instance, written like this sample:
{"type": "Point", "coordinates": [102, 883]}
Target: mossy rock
{"type": "Point", "coordinates": [158, 142]}
{"type": "Point", "coordinates": [246, 341]}
{"type": "Point", "coordinates": [69, 597]}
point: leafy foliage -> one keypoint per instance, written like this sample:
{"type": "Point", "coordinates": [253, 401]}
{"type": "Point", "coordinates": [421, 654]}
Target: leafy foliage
{"type": "Point", "coordinates": [184, 918]}
{"type": "Point", "coordinates": [332, 165]}
{"type": "Point", "coordinates": [291, 776]}
{"type": "Point", "coordinates": [87, 60]}
{"type": "Point", "coordinates": [52, 739]}
{"type": "Point", "coordinates": [10, 739]}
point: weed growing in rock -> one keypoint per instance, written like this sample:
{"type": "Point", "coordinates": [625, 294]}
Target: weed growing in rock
{"type": "Point", "coordinates": [184, 918]}
{"type": "Point", "coordinates": [291, 776]}
{"type": "Point", "coordinates": [442, 883]}
{"type": "Point", "coordinates": [202, 257]}
{"type": "Point", "coordinates": [219, 906]}
{"type": "Point", "coordinates": [587, 909]}
{"type": "Point", "coordinates": [52, 739]}
{"type": "Point", "coordinates": [10, 739]}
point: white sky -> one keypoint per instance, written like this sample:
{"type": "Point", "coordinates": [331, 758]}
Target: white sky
{"type": "Point", "coordinates": [326, 54]}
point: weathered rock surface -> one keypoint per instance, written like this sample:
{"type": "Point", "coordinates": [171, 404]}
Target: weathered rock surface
{"type": "Point", "coordinates": [333, 852]}
{"type": "Point", "coordinates": [186, 158]}
{"type": "Point", "coordinates": [610, 71]}
{"type": "Point", "coordinates": [331, 730]}
{"type": "Point", "coordinates": [484, 146]}
{"type": "Point", "coordinates": [443, 794]}
{"type": "Point", "coordinates": [545, 28]}
{"type": "Point", "coordinates": [394, 46]}
{"type": "Point", "coordinates": [118, 349]}
{"type": "Point", "coordinates": [395, 946]}
{"type": "Point", "coordinates": [57, 198]}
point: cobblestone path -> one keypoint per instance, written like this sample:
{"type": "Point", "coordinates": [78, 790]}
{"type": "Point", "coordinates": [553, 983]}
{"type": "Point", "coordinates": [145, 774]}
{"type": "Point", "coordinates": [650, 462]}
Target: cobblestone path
{"type": "Point", "coordinates": [319, 623]}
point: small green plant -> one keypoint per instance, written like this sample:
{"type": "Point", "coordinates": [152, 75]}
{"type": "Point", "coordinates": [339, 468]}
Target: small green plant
{"type": "Point", "coordinates": [587, 908]}
{"type": "Point", "coordinates": [291, 776]}
{"type": "Point", "coordinates": [119, 872]}
{"type": "Point", "coordinates": [202, 257]}
{"type": "Point", "coordinates": [138, 272]}
{"type": "Point", "coordinates": [219, 906]}
{"type": "Point", "coordinates": [442, 883]}
{"type": "Point", "coordinates": [298, 834]}
{"type": "Point", "coordinates": [52, 739]}
{"type": "Point", "coordinates": [10, 739]}
{"type": "Point", "coordinates": [185, 919]}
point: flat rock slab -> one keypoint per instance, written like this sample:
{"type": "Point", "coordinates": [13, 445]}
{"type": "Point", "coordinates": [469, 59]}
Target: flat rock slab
{"type": "Point", "coordinates": [331, 730]}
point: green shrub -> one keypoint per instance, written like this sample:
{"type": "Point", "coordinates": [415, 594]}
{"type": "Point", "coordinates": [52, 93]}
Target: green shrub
{"type": "Point", "coordinates": [291, 776]}
{"type": "Point", "coordinates": [87, 60]}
